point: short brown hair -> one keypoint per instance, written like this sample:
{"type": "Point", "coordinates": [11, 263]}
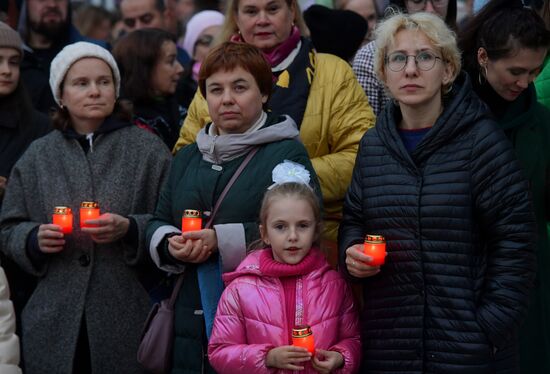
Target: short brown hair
{"type": "Point", "coordinates": [229, 56]}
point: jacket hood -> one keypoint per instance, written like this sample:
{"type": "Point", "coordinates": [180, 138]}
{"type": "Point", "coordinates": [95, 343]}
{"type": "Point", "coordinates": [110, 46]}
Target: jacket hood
{"type": "Point", "coordinates": [222, 148]}
{"type": "Point", "coordinates": [110, 124]}
{"type": "Point", "coordinates": [462, 108]}
{"type": "Point", "coordinates": [251, 266]}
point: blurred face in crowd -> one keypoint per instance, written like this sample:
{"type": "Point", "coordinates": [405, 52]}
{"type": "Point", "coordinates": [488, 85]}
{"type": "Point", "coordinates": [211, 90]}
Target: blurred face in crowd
{"type": "Point", "coordinates": [47, 17]}
{"type": "Point", "coordinates": [203, 45]}
{"type": "Point", "coordinates": [365, 8]}
{"type": "Point", "coordinates": [184, 10]}
{"type": "Point", "coordinates": [88, 92]}
{"type": "Point", "coordinates": [167, 71]}
{"type": "Point", "coordinates": [234, 100]}
{"type": "Point", "coordinates": [265, 23]}
{"type": "Point", "coordinates": [10, 60]}
{"type": "Point", "coordinates": [438, 7]}
{"type": "Point", "coordinates": [141, 14]}
{"type": "Point", "coordinates": [509, 76]}
{"type": "Point", "coordinates": [415, 71]}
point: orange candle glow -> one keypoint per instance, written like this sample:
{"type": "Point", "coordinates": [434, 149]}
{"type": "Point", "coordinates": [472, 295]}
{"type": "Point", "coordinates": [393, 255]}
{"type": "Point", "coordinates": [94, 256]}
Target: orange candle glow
{"type": "Point", "coordinates": [88, 210]}
{"type": "Point", "coordinates": [375, 247]}
{"type": "Point", "coordinates": [303, 337]}
{"type": "Point", "coordinates": [63, 217]}
{"type": "Point", "coordinates": [191, 220]}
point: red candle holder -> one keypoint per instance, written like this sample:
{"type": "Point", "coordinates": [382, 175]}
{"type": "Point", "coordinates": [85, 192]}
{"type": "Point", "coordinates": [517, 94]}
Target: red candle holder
{"type": "Point", "coordinates": [191, 220]}
{"type": "Point", "coordinates": [63, 217]}
{"type": "Point", "coordinates": [303, 337]}
{"type": "Point", "coordinates": [88, 210]}
{"type": "Point", "coordinates": [375, 247]}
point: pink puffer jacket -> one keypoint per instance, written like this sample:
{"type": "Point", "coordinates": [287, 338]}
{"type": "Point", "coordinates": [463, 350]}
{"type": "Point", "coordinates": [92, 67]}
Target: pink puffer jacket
{"type": "Point", "coordinates": [251, 318]}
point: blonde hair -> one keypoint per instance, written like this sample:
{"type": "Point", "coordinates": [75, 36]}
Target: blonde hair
{"type": "Point", "coordinates": [230, 28]}
{"type": "Point", "coordinates": [435, 29]}
{"type": "Point", "coordinates": [299, 191]}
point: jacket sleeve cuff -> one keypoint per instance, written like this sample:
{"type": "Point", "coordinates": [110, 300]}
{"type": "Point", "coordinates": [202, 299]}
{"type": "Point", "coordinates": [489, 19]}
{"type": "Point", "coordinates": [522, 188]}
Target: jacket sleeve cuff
{"type": "Point", "coordinates": [157, 251]}
{"type": "Point", "coordinates": [132, 235]}
{"type": "Point", "coordinates": [37, 257]}
{"type": "Point", "coordinates": [231, 245]}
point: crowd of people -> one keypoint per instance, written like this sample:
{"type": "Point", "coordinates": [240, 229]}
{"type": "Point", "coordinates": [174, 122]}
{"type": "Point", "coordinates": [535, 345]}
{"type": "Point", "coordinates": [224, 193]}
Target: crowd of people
{"type": "Point", "coordinates": [296, 132]}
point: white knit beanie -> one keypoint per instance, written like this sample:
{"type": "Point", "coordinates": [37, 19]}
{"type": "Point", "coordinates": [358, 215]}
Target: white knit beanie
{"type": "Point", "coordinates": [71, 54]}
{"type": "Point", "coordinates": [197, 24]}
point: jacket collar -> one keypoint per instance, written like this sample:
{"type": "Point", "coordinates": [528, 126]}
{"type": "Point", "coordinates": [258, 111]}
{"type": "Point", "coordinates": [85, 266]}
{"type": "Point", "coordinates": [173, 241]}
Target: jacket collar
{"type": "Point", "coordinates": [461, 109]}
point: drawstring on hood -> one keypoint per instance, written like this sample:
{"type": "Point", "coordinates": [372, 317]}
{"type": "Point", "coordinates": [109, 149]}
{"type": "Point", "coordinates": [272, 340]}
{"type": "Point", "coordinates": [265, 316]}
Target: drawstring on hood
{"type": "Point", "coordinates": [90, 138]}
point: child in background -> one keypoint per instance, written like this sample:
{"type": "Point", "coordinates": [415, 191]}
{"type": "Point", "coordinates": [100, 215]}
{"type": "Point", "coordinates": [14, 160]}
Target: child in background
{"type": "Point", "coordinates": [287, 284]}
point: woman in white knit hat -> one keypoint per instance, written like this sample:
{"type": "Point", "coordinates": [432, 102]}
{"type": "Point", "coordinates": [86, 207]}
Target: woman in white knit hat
{"type": "Point", "coordinates": [87, 311]}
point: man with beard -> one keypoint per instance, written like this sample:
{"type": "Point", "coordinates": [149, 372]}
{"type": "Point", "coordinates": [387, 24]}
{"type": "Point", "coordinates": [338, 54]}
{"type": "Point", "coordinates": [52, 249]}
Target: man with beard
{"type": "Point", "coordinates": [46, 28]}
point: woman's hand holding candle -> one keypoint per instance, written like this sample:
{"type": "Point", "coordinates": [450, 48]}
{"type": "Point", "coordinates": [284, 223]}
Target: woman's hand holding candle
{"type": "Point", "coordinates": [287, 357]}
{"type": "Point", "coordinates": [356, 262]}
{"type": "Point", "coordinates": [109, 227]}
{"type": "Point", "coordinates": [193, 247]}
{"type": "Point", "coordinates": [326, 362]}
{"type": "Point", "coordinates": [50, 238]}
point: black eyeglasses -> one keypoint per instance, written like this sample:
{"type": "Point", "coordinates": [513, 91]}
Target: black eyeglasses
{"type": "Point", "coordinates": [146, 19]}
{"type": "Point", "coordinates": [424, 60]}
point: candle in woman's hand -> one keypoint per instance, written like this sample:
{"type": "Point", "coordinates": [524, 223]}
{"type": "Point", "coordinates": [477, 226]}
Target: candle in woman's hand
{"type": "Point", "coordinates": [375, 247]}
{"type": "Point", "coordinates": [303, 337]}
{"type": "Point", "coordinates": [191, 220]}
{"type": "Point", "coordinates": [88, 210]}
{"type": "Point", "coordinates": [63, 217]}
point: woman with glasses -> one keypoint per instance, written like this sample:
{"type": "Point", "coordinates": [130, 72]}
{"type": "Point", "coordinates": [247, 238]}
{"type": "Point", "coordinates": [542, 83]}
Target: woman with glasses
{"type": "Point", "coordinates": [200, 32]}
{"type": "Point", "coordinates": [504, 49]}
{"type": "Point", "coordinates": [150, 73]}
{"type": "Point", "coordinates": [363, 63]}
{"type": "Point", "coordinates": [439, 180]}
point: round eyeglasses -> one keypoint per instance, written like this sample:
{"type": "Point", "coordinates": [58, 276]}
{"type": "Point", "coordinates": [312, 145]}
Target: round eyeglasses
{"type": "Point", "coordinates": [424, 60]}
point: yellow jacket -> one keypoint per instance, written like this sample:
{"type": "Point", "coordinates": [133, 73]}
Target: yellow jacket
{"type": "Point", "coordinates": [337, 115]}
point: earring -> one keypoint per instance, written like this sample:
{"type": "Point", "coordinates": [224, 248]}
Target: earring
{"type": "Point", "coordinates": [479, 75]}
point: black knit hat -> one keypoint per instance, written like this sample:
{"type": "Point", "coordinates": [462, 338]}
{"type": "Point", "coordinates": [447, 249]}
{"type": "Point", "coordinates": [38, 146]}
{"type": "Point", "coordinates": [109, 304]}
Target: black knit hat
{"type": "Point", "coordinates": [339, 32]}
{"type": "Point", "coordinates": [9, 38]}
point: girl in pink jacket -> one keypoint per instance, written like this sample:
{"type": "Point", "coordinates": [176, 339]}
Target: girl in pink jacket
{"type": "Point", "coordinates": [283, 286]}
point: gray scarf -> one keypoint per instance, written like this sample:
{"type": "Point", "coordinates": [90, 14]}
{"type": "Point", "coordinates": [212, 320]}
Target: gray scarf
{"type": "Point", "coordinates": [219, 149]}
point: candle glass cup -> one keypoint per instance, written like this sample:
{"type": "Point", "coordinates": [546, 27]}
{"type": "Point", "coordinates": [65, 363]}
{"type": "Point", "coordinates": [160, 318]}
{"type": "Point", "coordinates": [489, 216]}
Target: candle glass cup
{"type": "Point", "coordinates": [63, 217]}
{"type": "Point", "coordinates": [375, 247]}
{"type": "Point", "coordinates": [303, 337]}
{"type": "Point", "coordinates": [88, 210]}
{"type": "Point", "coordinates": [191, 220]}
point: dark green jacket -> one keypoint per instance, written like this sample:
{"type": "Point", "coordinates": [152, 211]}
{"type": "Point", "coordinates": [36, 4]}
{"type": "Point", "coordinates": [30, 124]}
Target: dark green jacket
{"type": "Point", "coordinates": [527, 125]}
{"type": "Point", "coordinates": [195, 184]}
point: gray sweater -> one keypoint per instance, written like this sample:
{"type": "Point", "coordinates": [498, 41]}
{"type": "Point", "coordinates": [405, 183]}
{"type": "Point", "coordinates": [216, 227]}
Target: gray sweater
{"type": "Point", "coordinates": [123, 172]}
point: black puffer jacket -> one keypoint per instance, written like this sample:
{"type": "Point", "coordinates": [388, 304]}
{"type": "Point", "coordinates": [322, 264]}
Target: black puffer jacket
{"type": "Point", "coordinates": [458, 220]}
